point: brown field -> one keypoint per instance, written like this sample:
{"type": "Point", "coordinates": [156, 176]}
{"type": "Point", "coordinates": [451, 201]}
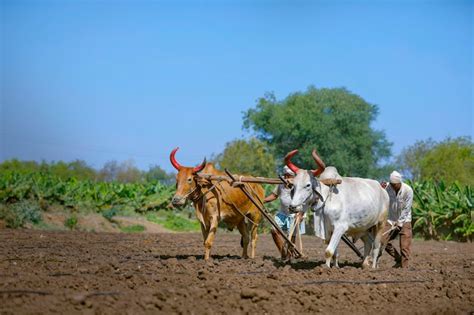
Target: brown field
{"type": "Point", "coordinates": [77, 272]}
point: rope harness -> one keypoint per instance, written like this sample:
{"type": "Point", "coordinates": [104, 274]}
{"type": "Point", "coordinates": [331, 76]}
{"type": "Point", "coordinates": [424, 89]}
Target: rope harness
{"type": "Point", "coordinates": [319, 196]}
{"type": "Point", "coordinates": [237, 209]}
{"type": "Point", "coordinates": [221, 191]}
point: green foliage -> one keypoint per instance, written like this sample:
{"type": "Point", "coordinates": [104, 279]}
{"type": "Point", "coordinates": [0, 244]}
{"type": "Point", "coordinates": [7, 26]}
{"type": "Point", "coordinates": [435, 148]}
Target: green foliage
{"type": "Point", "coordinates": [174, 222]}
{"type": "Point", "coordinates": [411, 157]}
{"type": "Point", "coordinates": [156, 173]}
{"type": "Point", "coordinates": [71, 222]}
{"type": "Point", "coordinates": [125, 172]}
{"type": "Point", "coordinates": [251, 157]}
{"type": "Point", "coordinates": [450, 160]}
{"type": "Point", "coordinates": [442, 211]}
{"type": "Point", "coordinates": [18, 214]}
{"type": "Point", "coordinates": [334, 121]}
{"type": "Point", "coordinates": [133, 228]}
{"type": "Point", "coordinates": [64, 170]}
{"type": "Point", "coordinates": [83, 194]}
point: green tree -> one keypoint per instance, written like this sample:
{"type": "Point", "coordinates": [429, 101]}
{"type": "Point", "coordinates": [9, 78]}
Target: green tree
{"type": "Point", "coordinates": [109, 171]}
{"type": "Point", "coordinates": [336, 122]}
{"type": "Point", "coordinates": [410, 159]}
{"type": "Point", "coordinates": [251, 157]}
{"type": "Point", "coordinates": [78, 168]}
{"type": "Point", "coordinates": [156, 173]}
{"type": "Point", "coordinates": [128, 172]}
{"type": "Point", "coordinates": [19, 166]}
{"type": "Point", "coordinates": [449, 160]}
{"type": "Point", "coordinates": [125, 172]}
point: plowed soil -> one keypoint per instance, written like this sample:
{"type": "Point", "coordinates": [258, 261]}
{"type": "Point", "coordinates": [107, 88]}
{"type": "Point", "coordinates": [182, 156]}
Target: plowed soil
{"type": "Point", "coordinates": [78, 272]}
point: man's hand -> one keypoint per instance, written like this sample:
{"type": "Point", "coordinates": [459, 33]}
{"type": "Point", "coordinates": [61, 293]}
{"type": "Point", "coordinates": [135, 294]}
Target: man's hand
{"type": "Point", "coordinates": [300, 214]}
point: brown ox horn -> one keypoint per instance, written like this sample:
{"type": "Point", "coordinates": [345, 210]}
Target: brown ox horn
{"type": "Point", "coordinates": [173, 161]}
{"type": "Point", "coordinates": [288, 162]}
{"type": "Point", "coordinates": [200, 167]}
{"type": "Point", "coordinates": [178, 166]}
{"type": "Point", "coordinates": [319, 161]}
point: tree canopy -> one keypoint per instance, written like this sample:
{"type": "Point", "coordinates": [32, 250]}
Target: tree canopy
{"type": "Point", "coordinates": [336, 122]}
{"type": "Point", "coordinates": [247, 157]}
{"type": "Point", "coordinates": [449, 160]}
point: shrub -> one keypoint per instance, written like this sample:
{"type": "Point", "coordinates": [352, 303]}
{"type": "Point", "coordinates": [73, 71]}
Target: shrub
{"type": "Point", "coordinates": [71, 222]}
{"type": "Point", "coordinates": [443, 211]}
{"type": "Point", "coordinates": [16, 215]}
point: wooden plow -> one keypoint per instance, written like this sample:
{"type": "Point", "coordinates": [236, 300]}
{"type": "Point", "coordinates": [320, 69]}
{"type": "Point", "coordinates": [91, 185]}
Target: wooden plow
{"type": "Point", "coordinates": [239, 182]}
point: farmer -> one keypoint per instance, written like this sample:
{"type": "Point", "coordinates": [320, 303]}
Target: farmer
{"type": "Point", "coordinates": [284, 218]}
{"type": "Point", "coordinates": [399, 219]}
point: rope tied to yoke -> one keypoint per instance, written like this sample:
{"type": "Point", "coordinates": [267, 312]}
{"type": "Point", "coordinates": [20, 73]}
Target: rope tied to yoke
{"type": "Point", "coordinates": [219, 196]}
{"type": "Point", "coordinates": [233, 204]}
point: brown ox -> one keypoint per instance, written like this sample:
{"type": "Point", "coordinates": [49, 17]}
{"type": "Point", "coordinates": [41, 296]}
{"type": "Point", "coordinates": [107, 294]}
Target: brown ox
{"type": "Point", "coordinates": [216, 201]}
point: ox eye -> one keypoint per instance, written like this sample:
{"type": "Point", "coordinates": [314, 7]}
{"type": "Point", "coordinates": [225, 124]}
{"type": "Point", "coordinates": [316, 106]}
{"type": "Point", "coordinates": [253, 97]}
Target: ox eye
{"type": "Point", "coordinates": [190, 180]}
{"type": "Point", "coordinates": [308, 185]}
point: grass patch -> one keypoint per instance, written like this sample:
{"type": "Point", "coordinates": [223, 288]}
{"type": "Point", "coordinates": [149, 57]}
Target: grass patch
{"type": "Point", "coordinates": [173, 222]}
{"type": "Point", "coordinates": [133, 228]}
{"type": "Point", "coordinates": [71, 222]}
{"type": "Point", "coordinates": [47, 227]}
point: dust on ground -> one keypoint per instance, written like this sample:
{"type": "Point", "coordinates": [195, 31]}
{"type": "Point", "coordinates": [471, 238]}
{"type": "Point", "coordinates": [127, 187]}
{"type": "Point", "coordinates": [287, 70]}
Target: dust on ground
{"type": "Point", "coordinates": [78, 272]}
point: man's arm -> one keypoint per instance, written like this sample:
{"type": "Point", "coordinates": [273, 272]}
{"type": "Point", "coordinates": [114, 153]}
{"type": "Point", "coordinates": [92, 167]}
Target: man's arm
{"type": "Point", "coordinates": [407, 203]}
{"type": "Point", "coordinates": [270, 198]}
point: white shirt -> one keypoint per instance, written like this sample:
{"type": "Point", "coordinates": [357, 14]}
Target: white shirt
{"type": "Point", "coordinates": [400, 204]}
{"type": "Point", "coordinates": [285, 197]}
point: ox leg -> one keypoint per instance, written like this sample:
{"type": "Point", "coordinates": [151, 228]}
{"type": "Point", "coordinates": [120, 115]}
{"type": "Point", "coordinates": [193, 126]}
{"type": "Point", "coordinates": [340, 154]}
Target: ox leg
{"type": "Point", "coordinates": [210, 237]}
{"type": "Point", "coordinates": [335, 239]}
{"type": "Point", "coordinates": [204, 231]}
{"type": "Point", "coordinates": [245, 237]}
{"type": "Point", "coordinates": [253, 239]}
{"type": "Point", "coordinates": [378, 231]}
{"type": "Point", "coordinates": [335, 259]}
{"type": "Point", "coordinates": [367, 248]}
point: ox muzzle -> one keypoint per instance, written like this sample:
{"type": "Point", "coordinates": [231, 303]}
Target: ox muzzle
{"type": "Point", "coordinates": [178, 201]}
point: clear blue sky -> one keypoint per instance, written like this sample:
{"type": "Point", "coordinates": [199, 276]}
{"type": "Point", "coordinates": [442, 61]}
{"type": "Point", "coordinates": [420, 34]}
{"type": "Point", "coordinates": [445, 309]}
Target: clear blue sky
{"type": "Point", "coordinates": [103, 80]}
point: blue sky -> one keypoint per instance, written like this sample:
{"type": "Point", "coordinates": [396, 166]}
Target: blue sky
{"type": "Point", "coordinates": [104, 80]}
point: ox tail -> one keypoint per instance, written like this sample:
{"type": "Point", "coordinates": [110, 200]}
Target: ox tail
{"type": "Point", "coordinates": [242, 241]}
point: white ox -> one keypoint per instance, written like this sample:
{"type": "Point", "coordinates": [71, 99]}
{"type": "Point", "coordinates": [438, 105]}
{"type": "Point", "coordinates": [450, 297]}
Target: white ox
{"type": "Point", "coordinates": [355, 206]}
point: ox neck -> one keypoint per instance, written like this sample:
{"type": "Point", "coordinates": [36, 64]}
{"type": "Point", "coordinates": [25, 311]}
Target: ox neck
{"type": "Point", "coordinates": [200, 192]}
{"type": "Point", "coordinates": [320, 193]}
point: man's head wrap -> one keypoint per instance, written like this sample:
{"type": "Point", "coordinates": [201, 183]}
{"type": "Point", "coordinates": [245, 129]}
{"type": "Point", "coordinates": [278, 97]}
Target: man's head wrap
{"type": "Point", "coordinates": [395, 177]}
